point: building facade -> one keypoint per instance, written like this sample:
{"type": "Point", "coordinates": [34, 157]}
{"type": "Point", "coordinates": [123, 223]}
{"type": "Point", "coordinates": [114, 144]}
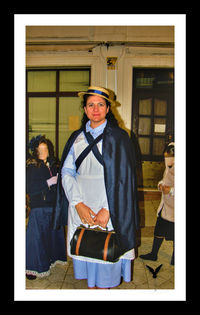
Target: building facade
{"type": "Point", "coordinates": [136, 63]}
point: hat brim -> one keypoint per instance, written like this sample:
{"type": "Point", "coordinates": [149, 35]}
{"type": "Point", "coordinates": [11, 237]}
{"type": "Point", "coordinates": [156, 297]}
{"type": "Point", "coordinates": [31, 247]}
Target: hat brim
{"type": "Point", "coordinates": [81, 94]}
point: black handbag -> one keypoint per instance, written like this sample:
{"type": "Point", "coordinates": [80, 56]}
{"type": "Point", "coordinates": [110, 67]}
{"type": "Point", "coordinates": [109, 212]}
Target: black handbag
{"type": "Point", "coordinates": [95, 243]}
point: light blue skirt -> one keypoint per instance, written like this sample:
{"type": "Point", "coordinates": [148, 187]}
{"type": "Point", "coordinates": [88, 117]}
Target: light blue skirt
{"type": "Point", "coordinates": [102, 275]}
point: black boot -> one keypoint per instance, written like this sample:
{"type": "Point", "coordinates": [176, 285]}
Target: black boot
{"type": "Point", "coordinates": [149, 256]}
{"type": "Point", "coordinates": [155, 248]}
{"type": "Point", "coordinates": [31, 277]}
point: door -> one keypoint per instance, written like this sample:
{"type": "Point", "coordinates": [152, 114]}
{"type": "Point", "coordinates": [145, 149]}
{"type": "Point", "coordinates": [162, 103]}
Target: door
{"type": "Point", "coordinates": [153, 111]}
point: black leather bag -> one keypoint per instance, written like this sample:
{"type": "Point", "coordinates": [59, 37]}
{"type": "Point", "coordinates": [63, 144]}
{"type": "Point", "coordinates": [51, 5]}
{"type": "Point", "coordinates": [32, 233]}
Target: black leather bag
{"type": "Point", "coordinates": [95, 243]}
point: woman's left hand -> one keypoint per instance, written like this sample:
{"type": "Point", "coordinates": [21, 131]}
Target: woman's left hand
{"type": "Point", "coordinates": [165, 189]}
{"type": "Point", "coordinates": [102, 217]}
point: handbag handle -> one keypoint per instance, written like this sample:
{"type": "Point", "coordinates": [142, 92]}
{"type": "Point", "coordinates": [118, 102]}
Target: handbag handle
{"type": "Point", "coordinates": [95, 229]}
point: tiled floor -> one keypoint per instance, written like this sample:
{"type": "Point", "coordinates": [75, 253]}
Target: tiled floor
{"type": "Point", "coordinates": [61, 276]}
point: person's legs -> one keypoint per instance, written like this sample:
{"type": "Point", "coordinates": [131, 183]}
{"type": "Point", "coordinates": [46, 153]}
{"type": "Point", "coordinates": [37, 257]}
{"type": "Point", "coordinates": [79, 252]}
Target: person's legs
{"type": "Point", "coordinates": [155, 248]}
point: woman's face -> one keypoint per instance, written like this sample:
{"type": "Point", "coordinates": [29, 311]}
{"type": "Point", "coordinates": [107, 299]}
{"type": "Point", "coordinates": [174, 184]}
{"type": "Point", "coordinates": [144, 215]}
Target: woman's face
{"type": "Point", "coordinates": [96, 110]}
{"type": "Point", "coordinates": [43, 151]}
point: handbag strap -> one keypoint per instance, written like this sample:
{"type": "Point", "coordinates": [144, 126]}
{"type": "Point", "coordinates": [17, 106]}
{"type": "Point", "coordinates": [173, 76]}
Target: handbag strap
{"type": "Point", "coordinates": [92, 146]}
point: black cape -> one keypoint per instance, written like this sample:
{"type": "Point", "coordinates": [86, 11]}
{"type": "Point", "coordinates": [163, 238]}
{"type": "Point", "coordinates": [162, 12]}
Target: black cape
{"type": "Point", "coordinates": [118, 155]}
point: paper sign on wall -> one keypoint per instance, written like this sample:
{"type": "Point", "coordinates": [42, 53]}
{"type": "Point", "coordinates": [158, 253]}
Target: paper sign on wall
{"type": "Point", "coordinates": [111, 63]}
{"type": "Point", "coordinates": [159, 128]}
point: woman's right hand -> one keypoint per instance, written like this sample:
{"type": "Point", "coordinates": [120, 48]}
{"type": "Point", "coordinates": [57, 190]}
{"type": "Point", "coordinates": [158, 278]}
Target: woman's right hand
{"type": "Point", "coordinates": [85, 213]}
{"type": "Point", "coordinates": [52, 180]}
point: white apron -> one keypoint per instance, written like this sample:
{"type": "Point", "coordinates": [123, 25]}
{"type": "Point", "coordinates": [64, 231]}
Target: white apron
{"type": "Point", "coordinates": [89, 184]}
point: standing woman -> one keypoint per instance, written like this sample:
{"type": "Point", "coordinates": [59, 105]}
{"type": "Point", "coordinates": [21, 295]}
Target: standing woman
{"type": "Point", "coordinates": [101, 191]}
{"type": "Point", "coordinates": [44, 246]}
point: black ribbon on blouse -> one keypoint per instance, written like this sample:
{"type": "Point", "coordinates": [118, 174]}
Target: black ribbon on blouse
{"type": "Point", "coordinates": [92, 146]}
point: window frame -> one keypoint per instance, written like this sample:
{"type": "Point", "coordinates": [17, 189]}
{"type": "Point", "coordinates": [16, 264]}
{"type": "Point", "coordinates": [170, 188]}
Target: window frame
{"type": "Point", "coordinates": [57, 94]}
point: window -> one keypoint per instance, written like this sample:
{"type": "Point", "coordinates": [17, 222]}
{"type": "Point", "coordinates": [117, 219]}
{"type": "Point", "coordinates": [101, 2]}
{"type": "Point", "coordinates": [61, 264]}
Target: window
{"type": "Point", "coordinates": [153, 110]}
{"type": "Point", "coordinates": [52, 103]}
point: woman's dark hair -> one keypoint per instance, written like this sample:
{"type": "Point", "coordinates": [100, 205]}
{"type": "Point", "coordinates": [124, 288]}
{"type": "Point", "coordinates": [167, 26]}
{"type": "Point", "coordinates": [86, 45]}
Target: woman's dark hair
{"type": "Point", "coordinates": [110, 116]}
{"type": "Point", "coordinates": [34, 157]}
